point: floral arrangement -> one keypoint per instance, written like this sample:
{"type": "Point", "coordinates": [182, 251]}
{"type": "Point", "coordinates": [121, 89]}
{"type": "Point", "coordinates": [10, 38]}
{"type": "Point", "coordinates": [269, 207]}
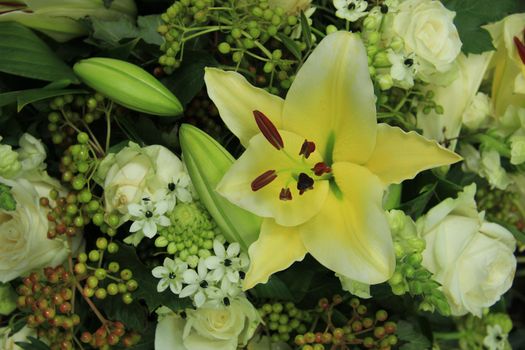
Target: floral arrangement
{"type": "Point", "coordinates": [262, 175]}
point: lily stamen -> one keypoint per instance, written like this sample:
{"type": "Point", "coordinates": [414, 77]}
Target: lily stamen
{"type": "Point", "coordinates": [307, 148]}
{"type": "Point", "coordinates": [268, 130]}
{"type": "Point", "coordinates": [304, 183]}
{"type": "Point", "coordinates": [285, 195]}
{"type": "Point", "coordinates": [521, 48]}
{"type": "Point", "coordinates": [321, 168]}
{"type": "Point", "coordinates": [263, 180]}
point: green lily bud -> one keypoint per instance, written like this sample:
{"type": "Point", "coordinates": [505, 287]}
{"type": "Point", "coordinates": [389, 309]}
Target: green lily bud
{"type": "Point", "coordinates": [9, 164]}
{"type": "Point", "coordinates": [207, 162]}
{"type": "Point", "coordinates": [392, 197]}
{"type": "Point", "coordinates": [128, 85]}
{"type": "Point", "coordinates": [7, 299]}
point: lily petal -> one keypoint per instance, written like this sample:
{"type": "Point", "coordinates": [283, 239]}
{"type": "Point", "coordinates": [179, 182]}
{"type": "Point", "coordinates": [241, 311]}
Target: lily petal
{"type": "Point", "coordinates": [399, 155]}
{"type": "Point", "coordinates": [236, 99]}
{"type": "Point", "coordinates": [350, 235]}
{"type": "Point", "coordinates": [277, 248]}
{"type": "Point", "coordinates": [331, 101]}
{"type": "Point", "coordinates": [260, 157]}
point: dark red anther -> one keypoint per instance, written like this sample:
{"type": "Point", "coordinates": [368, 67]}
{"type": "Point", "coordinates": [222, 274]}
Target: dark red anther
{"type": "Point", "coordinates": [304, 183]}
{"type": "Point", "coordinates": [268, 130]}
{"type": "Point", "coordinates": [321, 168]}
{"type": "Point", "coordinates": [307, 148]}
{"type": "Point", "coordinates": [521, 48]}
{"type": "Point", "coordinates": [263, 180]}
{"type": "Point", "coordinates": [285, 194]}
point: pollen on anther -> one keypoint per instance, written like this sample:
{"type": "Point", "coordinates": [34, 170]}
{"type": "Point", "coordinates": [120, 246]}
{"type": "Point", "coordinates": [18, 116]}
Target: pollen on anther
{"type": "Point", "coordinates": [304, 183]}
{"type": "Point", "coordinates": [285, 194]}
{"type": "Point", "coordinates": [307, 148]}
{"type": "Point", "coordinates": [520, 48]}
{"type": "Point", "coordinates": [263, 180]}
{"type": "Point", "coordinates": [268, 130]}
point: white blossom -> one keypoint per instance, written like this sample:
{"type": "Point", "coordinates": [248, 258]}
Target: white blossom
{"type": "Point", "coordinates": [171, 275]}
{"type": "Point", "coordinates": [147, 215]}
{"type": "Point", "coordinates": [226, 263]}
{"type": "Point", "coordinates": [351, 10]}
{"type": "Point", "coordinates": [198, 283]}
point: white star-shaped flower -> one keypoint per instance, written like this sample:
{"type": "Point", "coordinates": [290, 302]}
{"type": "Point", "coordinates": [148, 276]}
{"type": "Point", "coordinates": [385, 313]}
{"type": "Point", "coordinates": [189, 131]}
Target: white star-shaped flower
{"type": "Point", "coordinates": [147, 215]}
{"type": "Point", "coordinates": [171, 275]}
{"type": "Point", "coordinates": [226, 263]}
{"type": "Point", "coordinates": [351, 10]}
{"type": "Point", "coordinates": [198, 283]}
{"type": "Point", "coordinates": [403, 68]}
{"type": "Point", "coordinates": [495, 339]}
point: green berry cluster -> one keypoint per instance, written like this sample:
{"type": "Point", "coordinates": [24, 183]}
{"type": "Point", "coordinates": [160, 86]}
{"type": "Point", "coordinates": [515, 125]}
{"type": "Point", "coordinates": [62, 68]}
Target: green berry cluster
{"type": "Point", "coordinates": [69, 112]}
{"type": "Point", "coordinates": [108, 335]}
{"type": "Point", "coordinates": [500, 206]}
{"type": "Point", "coordinates": [102, 280]}
{"type": "Point", "coordinates": [49, 305]}
{"type": "Point", "coordinates": [191, 233]}
{"type": "Point", "coordinates": [363, 328]}
{"type": "Point", "coordinates": [254, 36]}
{"type": "Point", "coordinates": [284, 321]}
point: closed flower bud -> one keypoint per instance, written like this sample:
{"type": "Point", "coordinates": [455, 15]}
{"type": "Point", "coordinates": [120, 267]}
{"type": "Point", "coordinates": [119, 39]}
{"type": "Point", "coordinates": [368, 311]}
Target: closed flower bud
{"type": "Point", "coordinates": [128, 85]}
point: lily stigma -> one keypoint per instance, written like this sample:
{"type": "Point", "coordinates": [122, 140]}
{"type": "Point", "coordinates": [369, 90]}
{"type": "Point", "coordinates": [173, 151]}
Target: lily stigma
{"type": "Point", "coordinates": [317, 163]}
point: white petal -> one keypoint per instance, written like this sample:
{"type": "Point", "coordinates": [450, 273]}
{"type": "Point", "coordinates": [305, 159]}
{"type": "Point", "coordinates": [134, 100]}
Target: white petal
{"type": "Point", "coordinates": [136, 226]}
{"type": "Point", "coordinates": [135, 209]}
{"type": "Point", "coordinates": [176, 287]}
{"type": "Point", "coordinates": [163, 285]}
{"type": "Point", "coordinates": [159, 271]}
{"type": "Point", "coordinates": [218, 248]}
{"type": "Point", "coordinates": [163, 221]}
{"type": "Point", "coordinates": [161, 207]}
{"type": "Point", "coordinates": [188, 290]}
{"type": "Point", "coordinates": [149, 229]}
{"type": "Point", "coordinates": [190, 276]}
{"type": "Point", "coordinates": [199, 299]}
{"type": "Point", "coordinates": [233, 250]}
{"type": "Point", "coordinates": [213, 262]}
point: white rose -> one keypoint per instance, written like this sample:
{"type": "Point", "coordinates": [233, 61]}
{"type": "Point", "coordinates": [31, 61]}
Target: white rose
{"type": "Point", "coordinates": [224, 328]}
{"type": "Point", "coordinates": [471, 258]}
{"type": "Point", "coordinates": [291, 7]}
{"type": "Point", "coordinates": [24, 245]}
{"type": "Point", "coordinates": [477, 113]}
{"type": "Point", "coordinates": [135, 173]}
{"type": "Point", "coordinates": [428, 30]}
{"type": "Point", "coordinates": [8, 342]}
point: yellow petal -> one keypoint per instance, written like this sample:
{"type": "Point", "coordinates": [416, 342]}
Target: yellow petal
{"type": "Point", "coordinates": [277, 248]}
{"type": "Point", "coordinates": [399, 155]}
{"type": "Point", "coordinates": [236, 99]}
{"type": "Point", "coordinates": [261, 156]}
{"type": "Point", "coordinates": [351, 235]}
{"type": "Point", "coordinates": [331, 101]}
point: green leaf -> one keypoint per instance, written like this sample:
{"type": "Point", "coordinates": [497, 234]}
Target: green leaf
{"type": "Point", "coordinates": [147, 290]}
{"type": "Point", "coordinates": [25, 54]}
{"type": "Point", "coordinates": [306, 31]}
{"type": "Point", "coordinates": [34, 344]}
{"type": "Point", "coordinates": [25, 97]}
{"type": "Point", "coordinates": [107, 3]}
{"type": "Point", "coordinates": [7, 201]}
{"type": "Point", "coordinates": [472, 14]}
{"type": "Point", "coordinates": [148, 29]}
{"type": "Point", "coordinates": [134, 315]}
{"type": "Point", "coordinates": [290, 45]}
{"type": "Point", "coordinates": [416, 206]}
{"type": "Point", "coordinates": [188, 79]}
{"type": "Point", "coordinates": [114, 31]}
{"type": "Point", "coordinates": [415, 340]}
{"type": "Point", "coordinates": [273, 289]}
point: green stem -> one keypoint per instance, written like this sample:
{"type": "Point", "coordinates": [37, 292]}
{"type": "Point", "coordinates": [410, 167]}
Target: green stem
{"type": "Point", "coordinates": [448, 335]}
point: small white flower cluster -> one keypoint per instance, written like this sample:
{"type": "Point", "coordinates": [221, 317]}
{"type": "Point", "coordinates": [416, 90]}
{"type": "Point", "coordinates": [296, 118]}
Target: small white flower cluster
{"type": "Point", "coordinates": [216, 280]}
{"type": "Point", "coordinates": [150, 213]}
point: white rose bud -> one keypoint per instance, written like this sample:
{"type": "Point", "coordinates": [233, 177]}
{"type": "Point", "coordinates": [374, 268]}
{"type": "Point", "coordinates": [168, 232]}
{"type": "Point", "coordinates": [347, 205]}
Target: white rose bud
{"type": "Point", "coordinates": [24, 245]}
{"type": "Point", "coordinates": [135, 173]}
{"type": "Point", "coordinates": [471, 258]}
{"type": "Point", "coordinates": [428, 30]}
{"type": "Point", "coordinates": [477, 113]}
{"type": "Point", "coordinates": [517, 149]}
{"type": "Point", "coordinates": [208, 328]}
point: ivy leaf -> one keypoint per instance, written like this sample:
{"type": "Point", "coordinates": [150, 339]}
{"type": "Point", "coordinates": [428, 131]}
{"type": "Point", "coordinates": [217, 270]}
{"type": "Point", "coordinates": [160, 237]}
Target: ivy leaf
{"type": "Point", "coordinates": [113, 31]}
{"type": "Point", "coordinates": [147, 290]}
{"type": "Point", "coordinates": [148, 29]}
{"type": "Point", "coordinates": [7, 201]}
{"type": "Point", "coordinates": [415, 340]}
{"type": "Point", "coordinates": [34, 344]}
{"type": "Point", "coordinates": [25, 54]}
{"type": "Point", "coordinates": [472, 14]}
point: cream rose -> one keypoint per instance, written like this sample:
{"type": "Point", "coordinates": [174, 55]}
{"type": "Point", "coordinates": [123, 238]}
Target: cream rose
{"type": "Point", "coordinates": [24, 245]}
{"type": "Point", "coordinates": [291, 7]}
{"type": "Point", "coordinates": [135, 173]}
{"type": "Point", "coordinates": [208, 328]}
{"type": "Point", "coordinates": [472, 259]}
{"type": "Point", "coordinates": [428, 30]}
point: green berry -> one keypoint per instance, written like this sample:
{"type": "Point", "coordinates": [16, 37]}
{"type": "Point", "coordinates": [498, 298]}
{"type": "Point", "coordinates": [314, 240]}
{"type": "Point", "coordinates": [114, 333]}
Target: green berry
{"type": "Point", "coordinates": [224, 48]}
{"type": "Point", "coordinates": [83, 138]}
{"type": "Point", "coordinates": [101, 293]}
{"type": "Point", "coordinates": [94, 255]}
{"type": "Point", "coordinates": [112, 248]}
{"type": "Point", "coordinates": [100, 274]}
{"type": "Point", "coordinates": [102, 243]}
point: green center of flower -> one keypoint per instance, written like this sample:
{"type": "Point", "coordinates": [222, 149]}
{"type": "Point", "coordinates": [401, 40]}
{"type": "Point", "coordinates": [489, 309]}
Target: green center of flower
{"type": "Point", "coordinates": [303, 174]}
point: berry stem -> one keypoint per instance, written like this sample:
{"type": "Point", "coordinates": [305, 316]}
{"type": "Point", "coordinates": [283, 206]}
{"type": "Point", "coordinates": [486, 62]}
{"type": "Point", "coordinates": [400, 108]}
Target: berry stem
{"type": "Point", "coordinates": [91, 305]}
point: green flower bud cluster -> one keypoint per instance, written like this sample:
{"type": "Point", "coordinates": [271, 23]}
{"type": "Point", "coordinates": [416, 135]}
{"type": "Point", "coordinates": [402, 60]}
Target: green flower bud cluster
{"type": "Point", "coordinates": [284, 320]}
{"type": "Point", "coordinates": [68, 113]}
{"type": "Point", "coordinates": [410, 276]}
{"type": "Point", "coordinates": [363, 328]}
{"type": "Point", "coordinates": [191, 233]}
{"type": "Point", "coordinates": [500, 206]}
{"type": "Point", "coordinates": [48, 304]}
{"type": "Point", "coordinates": [7, 201]}
{"type": "Point", "coordinates": [474, 329]}
{"type": "Point", "coordinates": [249, 35]}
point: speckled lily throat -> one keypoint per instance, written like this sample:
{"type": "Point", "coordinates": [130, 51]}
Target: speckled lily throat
{"type": "Point", "coordinates": [302, 173]}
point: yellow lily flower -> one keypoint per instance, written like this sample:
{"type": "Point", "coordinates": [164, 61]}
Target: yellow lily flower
{"type": "Point", "coordinates": [316, 164]}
